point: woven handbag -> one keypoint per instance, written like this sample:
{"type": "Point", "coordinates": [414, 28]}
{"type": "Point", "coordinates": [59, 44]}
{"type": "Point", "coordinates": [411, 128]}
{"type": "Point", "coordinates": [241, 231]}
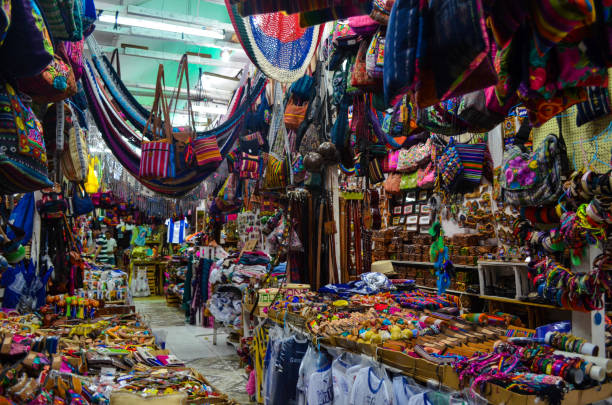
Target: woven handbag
{"type": "Point", "coordinates": [23, 160]}
{"type": "Point", "coordinates": [472, 159]}
{"type": "Point", "coordinates": [294, 114]}
{"type": "Point", "coordinates": [375, 56]}
{"type": "Point", "coordinates": [534, 179]}
{"type": "Point", "coordinates": [359, 74]}
{"type": "Point", "coordinates": [74, 158]}
{"type": "Point", "coordinates": [449, 166]}
{"type": "Point", "coordinates": [81, 202]}
{"type": "Point", "coordinates": [206, 151]}
{"type": "Point", "coordinates": [55, 83]}
{"type": "Point", "coordinates": [409, 160]}
{"type": "Point", "coordinates": [64, 18]}
{"type": "Point", "coordinates": [275, 177]}
{"type": "Point", "coordinates": [27, 48]}
{"type": "Point", "coordinates": [157, 156]}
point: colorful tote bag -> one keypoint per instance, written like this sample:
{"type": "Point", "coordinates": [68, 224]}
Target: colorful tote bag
{"type": "Point", "coordinates": [27, 48]}
{"type": "Point", "coordinates": [533, 179]}
{"type": "Point", "coordinates": [409, 181]}
{"type": "Point", "coordinates": [206, 151]}
{"type": "Point", "coordinates": [409, 160]}
{"type": "Point", "coordinates": [157, 156]}
{"type": "Point", "coordinates": [472, 159]}
{"type": "Point", "coordinates": [449, 166]}
{"type": "Point", "coordinates": [375, 56]}
{"type": "Point", "coordinates": [23, 157]}
{"type": "Point", "coordinates": [64, 18]}
{"type": "Point", "coordinates": [55, 83]}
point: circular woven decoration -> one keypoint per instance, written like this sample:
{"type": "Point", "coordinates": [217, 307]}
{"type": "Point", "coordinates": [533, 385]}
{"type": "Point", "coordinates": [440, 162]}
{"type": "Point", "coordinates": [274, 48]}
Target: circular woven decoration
{"type": "Point", "coordinates": [276, 43]}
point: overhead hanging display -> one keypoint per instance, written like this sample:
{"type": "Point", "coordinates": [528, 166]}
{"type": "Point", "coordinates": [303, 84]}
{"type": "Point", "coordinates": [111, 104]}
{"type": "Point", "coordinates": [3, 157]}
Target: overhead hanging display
{"type": "Point", "coordinates": [276, 43]}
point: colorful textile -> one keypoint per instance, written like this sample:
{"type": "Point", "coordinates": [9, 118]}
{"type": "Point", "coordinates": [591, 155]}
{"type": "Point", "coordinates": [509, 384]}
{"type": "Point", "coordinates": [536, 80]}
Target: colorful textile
{"type": "Point", "coordinates": [596, 106]}
{"type": "Point", "coordinates": [553, 20]}
{"type": "Point", "coordinates": [276, 43]}
{"type": "Point", "coordinates": [23, 157]}
{"type": "Point", "coordinates": [472, 159]}
{"type": "Point", "coordinates": [206, 151]}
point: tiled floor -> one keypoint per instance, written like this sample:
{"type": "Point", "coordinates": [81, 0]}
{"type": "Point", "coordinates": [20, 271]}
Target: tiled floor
{"type": "Point", "coordinates": [193, 344]}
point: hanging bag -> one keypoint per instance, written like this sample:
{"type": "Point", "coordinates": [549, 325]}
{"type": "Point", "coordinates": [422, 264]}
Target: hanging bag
{"type": "Point", "coordinates": [409, 160]}
{"type": "Point", "coordinates": [359, 75]}
{"type": "Point", "coordinates": [534, 179]}
{"type": "Point", "coordinates": [81, 202]}
{"type": "Point", "coordinates": [64, 18]}
{"type": "Point", "coordinates": [55, 83]}
{"type": "Point", "coordinates": [295, 114]}
{"type": "Point", "coordinates": [27, 48]}
{"type": "Point", "coordinates": [449, 166]}
{"type": "Point", "coordinates": [74, 159]}
{"type": "Point", "coordinates": [157, 156]}
{"type": "Point", "coordinates": [426, 177]}
{"type": "Point", "coordinates": [459, 50]}
{"type": "Point", "coordinates": [472, 157]}
{"type": "Point", "coordinates": [392, 183]}
{"type": "Point", "coordinates": [23, 160]}
{"type": "Point", "coordinates": [409, 181]}
{"type": "Point", "coordinates": [183, 137]}
{"type": "Point", "coordinates": [375, 56]}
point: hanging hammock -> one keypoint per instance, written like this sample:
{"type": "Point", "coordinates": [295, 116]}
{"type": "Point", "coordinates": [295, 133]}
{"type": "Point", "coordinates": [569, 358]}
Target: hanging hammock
{"type": "Point", "coordinates": [137, 115]}
{"type": "Point", "coordinates": [276, 43]}
{"type": "Point", "coordinates": [115, 131]}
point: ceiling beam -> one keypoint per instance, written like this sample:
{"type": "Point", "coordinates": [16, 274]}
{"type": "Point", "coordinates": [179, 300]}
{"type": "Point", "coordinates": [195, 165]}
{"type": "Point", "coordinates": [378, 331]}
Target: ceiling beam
{"type": "Point", "coordinates": [208, 94]}
{"type": "Point", "coordinates": [236, 49]}
{"type": "Point", "coordinates": [184, 19]}
{"type": "Point", "coordinates": [197, 60]}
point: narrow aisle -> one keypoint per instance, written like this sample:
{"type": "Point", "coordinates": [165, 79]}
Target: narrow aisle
{"type": "Point", "coordinates": [193, 344]}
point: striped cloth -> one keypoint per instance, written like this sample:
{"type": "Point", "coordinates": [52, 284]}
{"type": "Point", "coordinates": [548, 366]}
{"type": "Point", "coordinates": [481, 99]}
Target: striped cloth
{"type": "Point", "coordinates": [472, 159]}
{"type": "Point", "coordinates": [206, 151]}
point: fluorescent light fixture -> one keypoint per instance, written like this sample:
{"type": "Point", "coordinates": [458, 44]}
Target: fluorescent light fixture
{"type": "Point", "coordinates": [156, 25]}
{"type": "Point", "coordinates": [210, 109]}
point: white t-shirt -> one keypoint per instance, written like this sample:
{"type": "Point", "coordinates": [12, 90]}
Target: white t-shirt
{"type": "Point", "coordinates": [368, 389]}
{"type": "Point", "coordinates": [111, 244]}
{"type": "Point", "coordinates": [344, 370]}
{"type": "Point", "coordinates": [320, 388]}
{"type": "Point", "coordinates": [403, 391]}
{"type": "Point", "coordinates": [177, 230]}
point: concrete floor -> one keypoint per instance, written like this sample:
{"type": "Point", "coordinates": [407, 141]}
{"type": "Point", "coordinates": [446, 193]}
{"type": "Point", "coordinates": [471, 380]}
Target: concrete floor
{"type": "Point", "coordinates": [193, 344]}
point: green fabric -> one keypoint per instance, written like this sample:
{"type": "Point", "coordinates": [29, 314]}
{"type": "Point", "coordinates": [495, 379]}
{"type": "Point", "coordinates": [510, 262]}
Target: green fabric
{"type": "Point", "coordinates": [409, 181]}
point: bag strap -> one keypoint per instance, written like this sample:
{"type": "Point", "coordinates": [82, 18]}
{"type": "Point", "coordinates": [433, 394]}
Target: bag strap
{"type": "Point", "coordinates": [183, 71]}
{"type": "Point", "coordinates": [159, 109]}
{"type": "Point", "coordinates": [114, 55]}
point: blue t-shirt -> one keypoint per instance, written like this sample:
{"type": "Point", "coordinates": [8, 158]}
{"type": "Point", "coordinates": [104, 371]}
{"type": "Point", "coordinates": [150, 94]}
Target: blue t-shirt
{"type": "Point", "coordinates": [286, 371]}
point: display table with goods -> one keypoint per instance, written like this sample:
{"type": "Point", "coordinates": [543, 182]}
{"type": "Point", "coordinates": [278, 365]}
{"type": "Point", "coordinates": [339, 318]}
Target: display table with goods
{"type": "Point", "coordinates": [93, 359]}
{"type": "Point", "coordinates": [422, 335]}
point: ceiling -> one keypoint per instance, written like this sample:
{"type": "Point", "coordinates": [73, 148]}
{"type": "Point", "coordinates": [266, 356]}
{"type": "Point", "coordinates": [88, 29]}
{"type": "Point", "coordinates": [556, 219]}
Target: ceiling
{"type": "Point", "coordinates": [151, 32]}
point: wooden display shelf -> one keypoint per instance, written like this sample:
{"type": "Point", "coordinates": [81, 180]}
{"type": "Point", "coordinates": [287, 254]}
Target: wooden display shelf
{"type": "Point", "coordinates": [519, 302]}
{"type": "Point", "coordinates": [448, 291]}
{"type": "Point", "coordinates": [459, 266]}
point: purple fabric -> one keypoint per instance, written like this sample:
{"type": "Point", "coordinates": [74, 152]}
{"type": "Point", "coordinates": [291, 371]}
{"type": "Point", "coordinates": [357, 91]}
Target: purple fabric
{"type": "Point", "coordinates": [23, 53]}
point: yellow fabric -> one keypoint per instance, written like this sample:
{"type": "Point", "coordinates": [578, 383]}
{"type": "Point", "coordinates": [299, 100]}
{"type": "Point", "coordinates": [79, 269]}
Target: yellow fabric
{"type": "Point", "coordinates": [92, 184]}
